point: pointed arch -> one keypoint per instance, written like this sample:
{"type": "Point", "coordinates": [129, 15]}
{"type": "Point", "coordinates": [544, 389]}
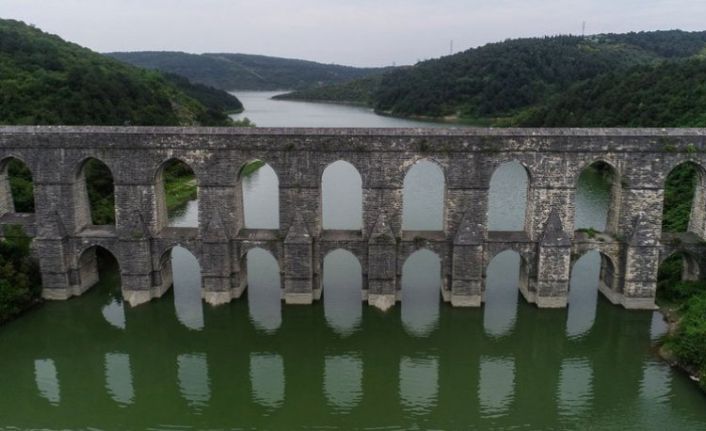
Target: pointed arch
{"type": "Point", "coordinates": [678, 268]}
{"type": "Point", "coordinates": [424, 197]}
{"type": "Point", "coordinates": [341, 197]}
{"type": "Point", "coordinates": [181, 270]}
{"type": "Point", "coordinates": [685, 199]}
{"type": "Point", "coordinates": [592, 272]}
{"type": "Point", "coordinates": [90, 263]}
{"type": "Point", "coordinates": [607, 276]}
{"type": "Point", "coordinates": [598, 196]}
{"type": "Point", "coordinates": [342, 290]}
{"type": "Point", "coordinates": [508, 197]}
{"type": "Point", "coordinates": [264, 288]}
{"type": "Point", "coordinates": [16, 186]}
{"type": "Point", "coordinates": [421, 286]}
{"type": "Point", "coordinates": [505, 276]}
{"type": "Point", "coordinates": [258, 195]}
{"type": "Point", "coordinates": [94, 191]}
{"type": "Point", "coordinates": [176, 186]}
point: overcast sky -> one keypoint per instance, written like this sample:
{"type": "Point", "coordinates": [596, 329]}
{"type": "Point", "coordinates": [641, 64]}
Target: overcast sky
{"type": "Point", "coordinates": [355, 32]}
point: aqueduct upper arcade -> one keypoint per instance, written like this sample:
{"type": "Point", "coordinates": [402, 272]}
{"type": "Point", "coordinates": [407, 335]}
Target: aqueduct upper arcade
{"type": "Point", "coordinates": [632, 245]}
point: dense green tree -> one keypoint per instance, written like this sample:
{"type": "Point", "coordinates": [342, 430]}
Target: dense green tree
{"type": "Point", "coordinates": [45, 80]}
{"type": "Point", "coordinates": [244, 71]}
{"type": "Point", "coordinates": [20, 285]}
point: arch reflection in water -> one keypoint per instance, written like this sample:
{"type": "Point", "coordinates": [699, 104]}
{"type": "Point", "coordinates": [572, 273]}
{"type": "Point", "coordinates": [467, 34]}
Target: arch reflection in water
{"type": "Point", "coordinates": [114, 313]}
{"type": "Point", "coordinates": [118, 378]}
{"type": "Point", "coordinates": [658, 326]}
{"type": "Point", "coordinates": [343, 381]}
{"type": "Point", "coordinates": [343, 284]}
{"type": "Point", "coordinates": [507, 197]}
{"type": "Point", "coordinates": [342, 197]}
{"type": "Point", "coordinates": [267, 379]}
{"type": "Point", "coordinates": [656, 383]}
{"type": "Point", "coordinates": [575, 386]}
{"type": "Point", "coordinates": [501, 293]}
{"type": "Point", "coordinates": [496, 387]}
{"type": "Point", "coordinates": [186, 274]}
{"type": "Point", "coordinates": [260, 190]}
{"type": "Point", "coordinates": [194, 383]}
{"type": "Point", "coordinates": [264, 290]}
{"type": "Point", "coordinates": [583, 294]}
{"type": "Point", "coordinates": [47, 380]}
{"type": "Point", "coordinates": [421, 287]}
{"type": "Point", "coordinates": [423, 197]}
{"type": "Point", "coordinates": [419, 384]}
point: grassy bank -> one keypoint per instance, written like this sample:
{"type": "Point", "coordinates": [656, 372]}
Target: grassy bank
{"type": "Point", "coordinates": [179, 191]}
{"type": "Point", "coordinates": [684, 305]}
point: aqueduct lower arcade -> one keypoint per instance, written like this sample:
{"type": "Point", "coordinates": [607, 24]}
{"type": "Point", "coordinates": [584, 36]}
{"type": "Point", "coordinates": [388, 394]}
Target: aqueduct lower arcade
{"type": "Point", "coordinates": [632, 246]}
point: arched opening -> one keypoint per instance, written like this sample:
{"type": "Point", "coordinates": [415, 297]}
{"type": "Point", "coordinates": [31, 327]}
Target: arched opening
{"type": "Point", "coordinates": [95, 192]}
{"type": "Point", "coordinates": [260, 196]}
{"type": "Point", "coordinates": [421, 289]}
{"type": "Point", "coordinates": [424, 197]}
{"type": "Point", "coordinates": [684, 200]}
{"type": "Point", "coordinates": [16, 187]}
{"type": "Point", "coordinates": [264, 290]}
{"type": "Point", "coordinates": [99, 267]}
{"type": "Point", "coordinates": [679, 278]}
{"type": "Point", "coordinates": [98, 264]}
{"type": "Point", "coordinates": [598, 192]}
{"type": "Point", "coordinates": [181, 269]}
{"type": "Point", "coordinates": [342, 291]}
{"type": "Point", "coordinates": [504, 275]}
{"type": "Point", "coordinates": [177, 195]}
{"type": "Point", "coordinates": [507, 197]}
{"type": "Point", "coordinates": [590, 271]}
{"type": "Point", "coordinates": [341, 197]}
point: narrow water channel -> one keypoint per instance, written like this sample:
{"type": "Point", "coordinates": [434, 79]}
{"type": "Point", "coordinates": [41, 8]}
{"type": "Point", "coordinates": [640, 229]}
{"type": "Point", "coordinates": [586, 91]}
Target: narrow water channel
{"type": "Point", "coordinates": [175, 363]}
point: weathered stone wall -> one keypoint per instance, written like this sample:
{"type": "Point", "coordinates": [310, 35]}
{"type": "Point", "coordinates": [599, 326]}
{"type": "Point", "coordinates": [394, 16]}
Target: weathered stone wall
{"type": "Point", "coordinates": [554, 158]}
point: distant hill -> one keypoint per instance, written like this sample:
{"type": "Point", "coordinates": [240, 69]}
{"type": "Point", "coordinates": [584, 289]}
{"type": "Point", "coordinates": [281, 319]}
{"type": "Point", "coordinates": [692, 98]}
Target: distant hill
{"type": "Point", "coordinates": [498, 81]}
{"type": "Point", "coordinates": [358, 92]}
{"type": "Point", "coordinates": [671, 94]}
{"type": "Point", "coordinates": [244, 71]}
{"type": "Point", "coordinates": [45, 80]}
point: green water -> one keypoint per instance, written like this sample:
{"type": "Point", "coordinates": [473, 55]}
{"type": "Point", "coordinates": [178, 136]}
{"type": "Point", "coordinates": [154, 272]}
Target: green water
{"type": "Point", "coordinates": [65, 366]}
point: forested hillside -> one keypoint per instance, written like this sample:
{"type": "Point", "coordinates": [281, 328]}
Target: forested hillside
{"type": "Point", "coordinates": [669, 94]}
{"type": "Point", "coordinates": [358, 92]}
{"type": "Point", "coordinates": [244, 71]}
{"type": "Point", "coordinates": [498, 81]}
{"type": "Point", "coordinates": [45, 80]}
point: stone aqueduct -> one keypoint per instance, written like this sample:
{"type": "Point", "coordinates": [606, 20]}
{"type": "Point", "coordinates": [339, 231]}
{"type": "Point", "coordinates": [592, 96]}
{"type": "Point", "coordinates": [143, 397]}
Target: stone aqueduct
{"type": "Point", "coordinates": [632, 246]}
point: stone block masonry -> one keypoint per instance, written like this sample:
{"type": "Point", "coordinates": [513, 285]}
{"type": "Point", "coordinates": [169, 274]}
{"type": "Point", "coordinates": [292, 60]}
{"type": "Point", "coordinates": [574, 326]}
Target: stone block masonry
{"type": "Point", "coordinates": [631, 248]}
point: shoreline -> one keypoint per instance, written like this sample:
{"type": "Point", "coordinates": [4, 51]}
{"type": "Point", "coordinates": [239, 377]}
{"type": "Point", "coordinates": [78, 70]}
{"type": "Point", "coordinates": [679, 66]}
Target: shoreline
{"type": "Point", "coordinates": [671, 317]}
